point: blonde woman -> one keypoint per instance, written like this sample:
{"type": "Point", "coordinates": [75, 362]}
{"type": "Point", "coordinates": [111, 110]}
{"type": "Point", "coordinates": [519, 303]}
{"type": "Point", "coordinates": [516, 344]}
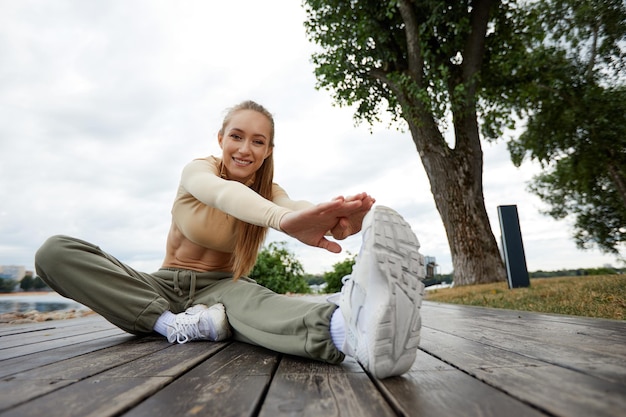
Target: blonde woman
{"type": "Point", "coordinates": [220, 216]}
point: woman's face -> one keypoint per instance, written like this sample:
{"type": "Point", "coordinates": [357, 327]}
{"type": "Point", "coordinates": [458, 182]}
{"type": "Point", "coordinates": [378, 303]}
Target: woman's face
{"type": "Point", "coordinates": [245, 143]}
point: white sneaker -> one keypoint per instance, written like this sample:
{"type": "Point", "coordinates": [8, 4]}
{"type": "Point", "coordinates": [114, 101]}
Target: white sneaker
{"type": "Point", "coordinates": [200, 323]}
{"type": "Point", "coordinates": [381, 299]}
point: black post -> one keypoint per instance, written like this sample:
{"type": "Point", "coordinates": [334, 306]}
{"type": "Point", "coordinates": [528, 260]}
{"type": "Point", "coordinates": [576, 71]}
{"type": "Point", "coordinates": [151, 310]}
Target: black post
{"type": "Point", "coordinates": [513, 247]}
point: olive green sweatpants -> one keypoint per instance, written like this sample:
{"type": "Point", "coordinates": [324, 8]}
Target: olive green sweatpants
{"type": "Point", "coordinates": [134, 300]}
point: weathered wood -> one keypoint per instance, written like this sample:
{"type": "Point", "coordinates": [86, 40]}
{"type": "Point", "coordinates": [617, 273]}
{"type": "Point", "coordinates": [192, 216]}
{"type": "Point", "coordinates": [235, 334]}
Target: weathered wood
{"type": "Point", "coordinates": [434, 388]}
{"type": "Point", "coordinates": [232, 383]}
{"type": "Point", "coordinates": [11, 329]}
{"type": "Point", "coordinates": [306, 388]}
{"type": "Point", "coordinates": [557, 390]}
{"type": "Point", "coordinates": [572, 345]}
{"type": "Point", "coordinates": [34, 360]}
{"type": "Point", "coordinates": [55, 333]}
{"type": "Point", "coordinates": [535, 373]}
{"type": "Point", "coordinates": [474, 362]}
{"type": "Point", "coordinates": [25, 386]}
{"type": "Point", "coordinates": [600, 329]}
{"type": "Point", "coordinates": [44, 345]}
{"type": "Point", "coordinates": [135, 378]}
{"type": "Point", "coordinates": [7, 329]}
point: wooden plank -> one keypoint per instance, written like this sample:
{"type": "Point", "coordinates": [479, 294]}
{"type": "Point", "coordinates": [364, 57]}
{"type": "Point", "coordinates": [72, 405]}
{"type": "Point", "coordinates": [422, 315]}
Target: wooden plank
{"type": "Point", "coordinates": [231, 383]}
{"type": "Point", "coordinates": [554, 389]}
{"type": "Point", "coordinates": [25, 386]}
{"type": "Point", "coordinates": [15, 356]}
{"type": "Point", "coordinates": [434, 388]}
{"type": "Point", "coordinates": [41, 336]}
{"type": "Point", "coordinates": [307, 388]}
{"type": "Point", "coordinates": [45, 345]}
{"type": "Point", "coordinates": [37, 359]}
{"type": "Point", "coordinates": [111, 396]}
{"type": "Point", "coordinates": [475, 361]}
{"type": "Point", "coordinates": [9, 329]}
{"type": "Point", "coordinates": [605, 336]}
{"type": "Point", "coordinates": [594, 351]}
{"type": "Point", "coordinates": [12, 329]}
{"type": "Point", "coordinates": [115, 390]}
{"type": "Point", "coordinates": [570, 393]}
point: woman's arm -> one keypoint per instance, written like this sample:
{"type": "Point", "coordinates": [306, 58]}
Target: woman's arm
{"type": "Point", "coordinates": [201, 181]}
{"type": "Point", "coordinates": [301, 220]}
{"type": "Point", "coordinates": [280, 197]}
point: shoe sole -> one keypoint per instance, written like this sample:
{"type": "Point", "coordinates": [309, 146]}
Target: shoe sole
{"type": "Point", "coordinates": [400, 267]}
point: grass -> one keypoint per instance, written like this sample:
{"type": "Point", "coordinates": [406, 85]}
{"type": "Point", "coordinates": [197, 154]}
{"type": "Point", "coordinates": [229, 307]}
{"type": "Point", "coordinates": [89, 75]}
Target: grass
{"type": "Point", "coordinates": [602, 296]}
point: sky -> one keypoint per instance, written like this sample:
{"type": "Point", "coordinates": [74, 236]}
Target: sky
{"type": "Point", "coordinates": [102, 103]}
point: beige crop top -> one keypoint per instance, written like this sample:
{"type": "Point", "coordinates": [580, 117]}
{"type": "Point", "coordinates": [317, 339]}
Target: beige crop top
{"type": "Point", "coordinates": [207, 205]}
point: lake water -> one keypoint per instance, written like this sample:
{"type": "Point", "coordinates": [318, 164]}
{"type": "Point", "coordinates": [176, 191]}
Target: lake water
{"type": "Point", "coordinates": [21, 303]}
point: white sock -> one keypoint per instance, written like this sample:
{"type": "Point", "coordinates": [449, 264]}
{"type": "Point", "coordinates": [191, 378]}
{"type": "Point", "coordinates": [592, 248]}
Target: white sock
{"type": "Point", "coordinates": [165, 321]}
{"type": "Point", "coordinates": [338, 329]}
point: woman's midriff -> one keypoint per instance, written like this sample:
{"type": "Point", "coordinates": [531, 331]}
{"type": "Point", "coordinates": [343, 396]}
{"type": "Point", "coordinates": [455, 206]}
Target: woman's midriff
{"type": "Point", "coordinates": [182, 253]}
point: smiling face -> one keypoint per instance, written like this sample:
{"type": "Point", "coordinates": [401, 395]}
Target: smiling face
{"type": "Point", "coordinates": [246, 140]}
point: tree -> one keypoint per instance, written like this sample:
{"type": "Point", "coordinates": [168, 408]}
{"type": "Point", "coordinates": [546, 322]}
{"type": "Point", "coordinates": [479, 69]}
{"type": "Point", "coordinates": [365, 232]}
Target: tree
{"type": "Point", "coordinates": [576, 128]}
{"type": "Point", "coordinates": [314, 279]}
{"type": "Point", "coordinates": [7, 285]}
{"type": "Point", "coordinates": [340, 270]}
{"type": "Point", "coordinates": [26, 284]}
{"type": "Point", "coordinates": [426, 62]}
{"type": "Point", "coordinates": [40, 285]}
{"type": "Point", "coordinates": [277, 269]}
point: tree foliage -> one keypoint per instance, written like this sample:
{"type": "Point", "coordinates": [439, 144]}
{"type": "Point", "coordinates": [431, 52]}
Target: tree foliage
{"type": "Point", "coordinates": [277, 269]}
{"type": "Point", "coordinates": [7, 285]}
{"type": "Point", "coordinates": [26, 284]}
{"type": "Point", "coordinates": [430, 63]}
{"type": "Point", "coordinates": [445, 57]}
{"type": "Point", "coordinates": [340, 270]}
{"type": "Point", "coordinates": [576, 124]}
{"type": "Point", "coordinates": [33, 283]}
{"type": "Point", "coordinates": [436, 63]}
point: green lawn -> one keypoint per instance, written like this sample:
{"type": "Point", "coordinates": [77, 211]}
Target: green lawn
{"type": "Point", "coordinates": [591, 296]}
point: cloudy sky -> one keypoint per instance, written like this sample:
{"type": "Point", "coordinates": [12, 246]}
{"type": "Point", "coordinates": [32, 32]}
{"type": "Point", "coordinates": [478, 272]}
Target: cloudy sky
{"type": "Point", "coordinates": [102, 103]}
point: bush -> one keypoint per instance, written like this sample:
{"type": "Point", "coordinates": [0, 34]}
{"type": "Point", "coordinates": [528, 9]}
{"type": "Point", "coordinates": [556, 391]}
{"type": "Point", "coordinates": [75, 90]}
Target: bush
{"type": "Point", "coordinates": [277, 269]}
{"type": "Point", "coordinates": [340, 270]}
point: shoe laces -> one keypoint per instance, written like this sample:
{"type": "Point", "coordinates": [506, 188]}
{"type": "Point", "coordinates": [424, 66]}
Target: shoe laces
{"type": "Point", "coordinates": [186, 328]}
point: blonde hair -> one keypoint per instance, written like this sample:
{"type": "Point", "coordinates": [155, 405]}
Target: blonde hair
{"type": "Point", "coordinates": [250, 237]}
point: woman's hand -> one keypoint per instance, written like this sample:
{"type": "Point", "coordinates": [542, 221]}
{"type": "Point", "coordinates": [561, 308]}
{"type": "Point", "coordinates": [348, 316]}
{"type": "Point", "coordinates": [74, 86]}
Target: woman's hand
{"type": "Point", "coordinates": [349, 225]}
{"type": "Point", "coordinates": [310, 225]}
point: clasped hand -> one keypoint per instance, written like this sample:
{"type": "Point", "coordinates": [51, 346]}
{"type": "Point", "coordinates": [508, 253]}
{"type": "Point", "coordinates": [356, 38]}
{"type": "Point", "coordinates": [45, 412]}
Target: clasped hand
{"type": "Point", "coordinates": [342, 217]}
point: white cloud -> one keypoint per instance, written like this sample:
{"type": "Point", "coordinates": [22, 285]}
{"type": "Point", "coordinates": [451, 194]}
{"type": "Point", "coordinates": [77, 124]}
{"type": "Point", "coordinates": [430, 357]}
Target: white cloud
{"type": "Point", "coordinates": [103, 103]}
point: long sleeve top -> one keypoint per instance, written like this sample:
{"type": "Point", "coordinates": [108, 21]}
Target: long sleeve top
{"type": "Point", "coordinates": [207, 205]}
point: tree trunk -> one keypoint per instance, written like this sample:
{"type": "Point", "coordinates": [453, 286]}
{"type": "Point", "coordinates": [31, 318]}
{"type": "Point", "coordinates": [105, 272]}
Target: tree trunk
{"type": "Point", "coordinates": [455, 174]}
{"type": "Point", "coordinates": [618, 179]}
{"type": "Point", "coordinates": [455, 177]}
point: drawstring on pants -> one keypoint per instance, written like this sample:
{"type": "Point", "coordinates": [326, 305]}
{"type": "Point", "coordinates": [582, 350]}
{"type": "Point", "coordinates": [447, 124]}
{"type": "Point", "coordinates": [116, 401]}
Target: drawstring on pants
{"type": "Point", "coordinates": [192, 286]}
{"type": "Point", "coordinates": [192, 289]}
{"type": "Point", "coordinates": [176, 285]}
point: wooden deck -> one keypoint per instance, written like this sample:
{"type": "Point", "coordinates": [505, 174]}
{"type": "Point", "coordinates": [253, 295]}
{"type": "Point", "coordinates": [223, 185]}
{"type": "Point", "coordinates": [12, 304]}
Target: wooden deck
{"type": "Point", "coordinates": [472, 362]}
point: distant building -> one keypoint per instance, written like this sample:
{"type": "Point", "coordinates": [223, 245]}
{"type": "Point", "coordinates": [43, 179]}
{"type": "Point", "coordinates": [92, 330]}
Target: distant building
{"type": "Point", "coordinates": [15, 272]}
{"type": "Point", "coordinates": [431, 266]}
{"type": "Point", "coordinates": [317, 289]}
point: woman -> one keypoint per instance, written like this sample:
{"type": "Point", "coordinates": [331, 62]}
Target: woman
{"type": "Point", "coordinates": [221, 213]}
